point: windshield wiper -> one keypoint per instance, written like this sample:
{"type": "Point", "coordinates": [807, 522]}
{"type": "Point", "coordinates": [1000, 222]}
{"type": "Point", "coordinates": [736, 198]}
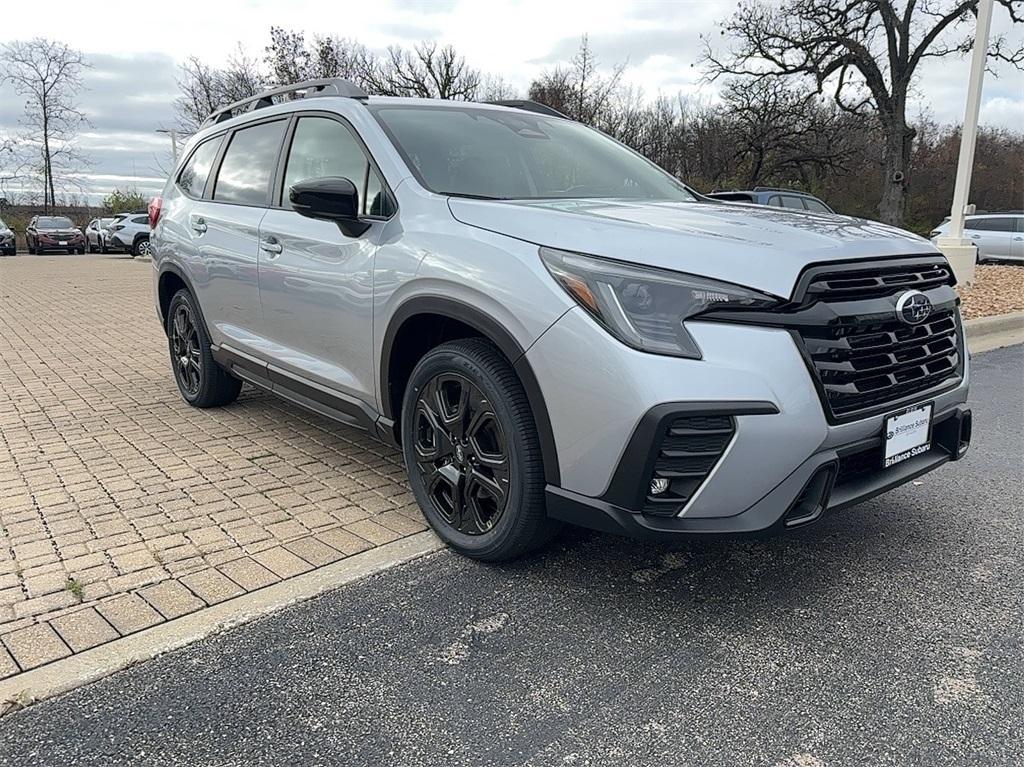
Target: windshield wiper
{"type": "Point", "coordinates": [473, 196]}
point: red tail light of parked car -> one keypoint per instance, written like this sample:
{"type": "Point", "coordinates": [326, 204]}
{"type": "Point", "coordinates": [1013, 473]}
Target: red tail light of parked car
{"type": "Point", "coordinates": [155, 206]}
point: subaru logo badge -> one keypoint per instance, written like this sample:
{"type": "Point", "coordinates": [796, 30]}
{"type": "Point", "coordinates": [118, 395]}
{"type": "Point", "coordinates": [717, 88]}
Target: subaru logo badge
{"type": "Point", "coordinates": [913, 307]}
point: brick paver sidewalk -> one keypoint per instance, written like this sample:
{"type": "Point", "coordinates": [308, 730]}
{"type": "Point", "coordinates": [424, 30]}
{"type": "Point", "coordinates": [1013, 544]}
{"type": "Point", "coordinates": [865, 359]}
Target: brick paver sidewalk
{"type": "Point", "coordinates": [122, 507]}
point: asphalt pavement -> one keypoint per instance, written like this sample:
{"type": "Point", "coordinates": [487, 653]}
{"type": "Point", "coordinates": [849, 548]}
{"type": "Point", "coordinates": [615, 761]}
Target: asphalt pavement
{"type": "Point", "coordinates": [890, 634]}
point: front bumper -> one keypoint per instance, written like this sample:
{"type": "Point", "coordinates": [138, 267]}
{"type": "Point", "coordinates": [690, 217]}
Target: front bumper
{"type": "Point", "coordinates": [599, 394]}
{"type": "Point", "coordinates": [828, 481]}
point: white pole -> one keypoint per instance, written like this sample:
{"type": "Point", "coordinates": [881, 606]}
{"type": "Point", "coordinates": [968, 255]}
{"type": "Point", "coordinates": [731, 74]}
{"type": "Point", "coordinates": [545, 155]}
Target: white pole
{"type": "Point", "coordinates": [174, 145]}
{"type": "Point", "coordinates": [961, 252]}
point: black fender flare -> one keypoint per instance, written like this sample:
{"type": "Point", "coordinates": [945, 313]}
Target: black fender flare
{"type": "Point", "coordinates": [177, 271]}
{"type": "Point", "coordinates": [496, 334]}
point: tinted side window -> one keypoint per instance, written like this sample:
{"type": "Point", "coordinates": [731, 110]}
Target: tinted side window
{"type": "Point", "coordinates": [140, 220]}
{"type": "Point", "coordinates": [816, 206]}
{"type": "Point", "coordinates": [192, 178]}
{"type": "Point", "coordinates": [1004, 224]}
{"type": "Point", "coordinates": [323, 147]}
{"type": "Point", "coordinates": [248, 165]}
{"type": "Point", "coordinates": [792, 202]}
{"type": "Point", "coordinates": [775, 201]}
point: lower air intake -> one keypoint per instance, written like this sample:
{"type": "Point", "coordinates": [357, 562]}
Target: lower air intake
{"type": "Point", "coordinates": [690, 448]}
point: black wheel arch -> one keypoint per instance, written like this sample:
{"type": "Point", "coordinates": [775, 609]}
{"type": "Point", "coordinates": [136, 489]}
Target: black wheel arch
{"type": "Point", "coordinates": [172, 279]}
{"type": "Point", "coordinates": [433, 307]}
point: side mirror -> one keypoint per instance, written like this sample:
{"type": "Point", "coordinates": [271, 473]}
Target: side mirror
{"type": "Point", "coordinates": [329, 199]}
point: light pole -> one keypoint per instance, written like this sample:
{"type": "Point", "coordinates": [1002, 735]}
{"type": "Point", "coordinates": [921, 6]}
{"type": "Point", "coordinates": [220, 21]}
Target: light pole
{"type": "Point", "coordinates": [174, 141]}
{"type": "Point", "coordinates": [959, 250]}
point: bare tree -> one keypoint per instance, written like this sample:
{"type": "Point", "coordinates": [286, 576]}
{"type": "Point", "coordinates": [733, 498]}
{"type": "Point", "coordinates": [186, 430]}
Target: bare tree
{"type": "Point", "coordinates": [426, 71]}
{"type": "Point", "coordinates": [580, 91]}
{"type": "Point", "coordinates": [781, 132]}
{"type": "Point", "coordinates": [205, 89]}
{"type": "Point", "coordinates": [49, 75]}
{"type": "Point", "coordinates": [864, 52]}
{"type": "Point", "coordinates": [291, 60]}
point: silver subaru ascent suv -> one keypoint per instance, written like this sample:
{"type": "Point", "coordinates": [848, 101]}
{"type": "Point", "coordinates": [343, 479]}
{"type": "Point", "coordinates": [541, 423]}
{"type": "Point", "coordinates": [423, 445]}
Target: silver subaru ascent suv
{"type": "Point", "coordinates": [551, 327]}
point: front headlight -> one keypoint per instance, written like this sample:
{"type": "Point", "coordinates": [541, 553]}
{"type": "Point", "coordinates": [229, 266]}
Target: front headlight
{"type": "Point", "coordinates": [645, 307]}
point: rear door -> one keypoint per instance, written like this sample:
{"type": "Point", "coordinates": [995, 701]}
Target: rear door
{"type": "Point", "coordinates": [1017, 246]}
{"type": "Point", "coordinates": [993, 235]}
{"type": "Point", "coordinates": [225, 229]}
{"type": "Point", "coordinates": [316, 283]}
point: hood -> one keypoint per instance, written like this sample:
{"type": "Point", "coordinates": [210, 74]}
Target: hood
{"type": "Point", "coordinates": [753, 245]}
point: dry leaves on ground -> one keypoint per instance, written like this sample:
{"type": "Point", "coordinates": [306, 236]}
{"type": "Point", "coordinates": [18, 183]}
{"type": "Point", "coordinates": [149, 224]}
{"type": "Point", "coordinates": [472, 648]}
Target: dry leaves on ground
{"type": "Point", "coordinates": [995, 290]}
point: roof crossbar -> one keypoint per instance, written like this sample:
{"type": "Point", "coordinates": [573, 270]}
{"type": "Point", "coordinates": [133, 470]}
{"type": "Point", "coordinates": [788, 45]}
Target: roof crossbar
{"type": "Point", "coordinates": [333, 86]}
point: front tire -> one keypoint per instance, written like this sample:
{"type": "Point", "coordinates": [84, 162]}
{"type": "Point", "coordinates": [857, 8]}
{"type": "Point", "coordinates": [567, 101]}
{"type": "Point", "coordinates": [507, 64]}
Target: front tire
{"type": "Point", "coordinates": [202, 382]}
{"type": "Point", "coordinates": [473, 453]}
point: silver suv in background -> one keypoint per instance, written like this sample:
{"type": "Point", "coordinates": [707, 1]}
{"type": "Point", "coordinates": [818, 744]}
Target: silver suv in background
{"type": "Point", "coordinates": [998, 236]}
{"type": "Point", "coordinates": [128, 232]}
{"type": "Point", "coordinates": [551, 327]}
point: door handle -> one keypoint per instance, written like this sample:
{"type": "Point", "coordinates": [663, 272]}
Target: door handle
{"type": "Point", "coordinates": [975, 236]}
{"type": "Point", "coordinates": [1018, 239]}
{"type": "Point", "coordinates": [199, 225]}
{"type": "Point", "coordinates": [271, 245]}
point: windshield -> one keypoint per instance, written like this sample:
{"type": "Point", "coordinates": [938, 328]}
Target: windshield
{"type": "Point", "coordinates": [54, 222]}
{"type": "Point", "coordinates": [502, 155]}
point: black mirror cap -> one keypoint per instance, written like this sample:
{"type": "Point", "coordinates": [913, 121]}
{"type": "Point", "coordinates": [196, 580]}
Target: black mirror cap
{"type": "Point", "coordinates": [333, 198]}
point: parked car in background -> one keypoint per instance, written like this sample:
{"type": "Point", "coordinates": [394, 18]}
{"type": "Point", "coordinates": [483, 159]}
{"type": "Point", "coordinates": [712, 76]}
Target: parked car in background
{"type": "Point", "coordinates": [999, 236]}
{"type": "Point", "coordinates": [50, 233]}
{"type": "Point", "coordinates": [8, 243]}
{"type": "Point", "coordinates": [776, 198]}
{"type": "Point", "coordinates": [94, 233]}
{"type": "Point", "coordinates": [130, 233]}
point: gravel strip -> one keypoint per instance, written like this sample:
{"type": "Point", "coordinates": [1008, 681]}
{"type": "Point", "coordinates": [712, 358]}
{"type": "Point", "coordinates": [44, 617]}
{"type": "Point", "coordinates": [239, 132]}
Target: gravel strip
{"type": "Point", "coordinates": [995, 290]}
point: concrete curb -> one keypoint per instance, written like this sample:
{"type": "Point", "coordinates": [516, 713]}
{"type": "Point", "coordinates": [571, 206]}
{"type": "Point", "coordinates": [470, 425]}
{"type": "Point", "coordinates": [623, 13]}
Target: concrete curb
{"type": "Point", "coordinates": [985, 333]}
{"type": "Point", "coordinates": [60, 676]}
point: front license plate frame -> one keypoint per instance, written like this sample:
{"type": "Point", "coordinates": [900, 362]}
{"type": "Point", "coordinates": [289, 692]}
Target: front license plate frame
{"type": "Point", "coordinates": [907, 433]}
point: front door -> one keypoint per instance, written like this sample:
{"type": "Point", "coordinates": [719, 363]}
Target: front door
{"type": "Point", "coordinates": [316, 283]}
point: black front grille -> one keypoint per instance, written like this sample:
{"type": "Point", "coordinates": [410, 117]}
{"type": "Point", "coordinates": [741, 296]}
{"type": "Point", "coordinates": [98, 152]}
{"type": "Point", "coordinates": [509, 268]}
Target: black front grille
{"type": "Point", "coordinates": [689, 449]}
{"type": "Point", "coordinates": [877, 282]}
{"type": "Point", "coordinates": [863, 356]}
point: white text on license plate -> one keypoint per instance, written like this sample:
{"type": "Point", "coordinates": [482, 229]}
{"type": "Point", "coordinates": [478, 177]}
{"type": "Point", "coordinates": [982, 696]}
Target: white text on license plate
{"type": "Point", "coordinates": [907, 434]}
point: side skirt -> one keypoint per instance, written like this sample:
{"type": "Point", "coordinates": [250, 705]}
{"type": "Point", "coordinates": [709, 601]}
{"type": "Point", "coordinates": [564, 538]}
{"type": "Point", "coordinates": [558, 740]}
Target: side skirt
{"type": "Point", "coordinates": [303, 392]}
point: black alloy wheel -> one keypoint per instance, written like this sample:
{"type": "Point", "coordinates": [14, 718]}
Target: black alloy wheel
{"type": "Point", "coordinates": [473, 453]}
{"type": "Point", "coordinates": [461, 453]}
{"type": "Point", "coordinates": [186, 350]}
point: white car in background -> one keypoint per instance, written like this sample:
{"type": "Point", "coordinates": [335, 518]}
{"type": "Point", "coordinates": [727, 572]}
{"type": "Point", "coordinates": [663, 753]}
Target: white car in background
{"type": "Point", "coordinates": [998, 236]}
{"type": "Point", "coordinates": [128, 232]}
{"type": "Point", "coordinates": [94, 233]}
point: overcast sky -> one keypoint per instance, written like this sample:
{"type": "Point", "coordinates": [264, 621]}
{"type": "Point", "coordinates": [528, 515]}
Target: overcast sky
{"type": "Point", "coordinates": [135, 51]}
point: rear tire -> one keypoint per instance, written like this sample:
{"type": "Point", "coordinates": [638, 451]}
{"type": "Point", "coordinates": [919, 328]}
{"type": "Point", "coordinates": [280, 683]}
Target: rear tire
{"type": "Point", "coordinates": [140, 247]}
{"type": "Point", "coordinates": [202, 382]}
{"type": "Point", "coordinates": [473, 453]}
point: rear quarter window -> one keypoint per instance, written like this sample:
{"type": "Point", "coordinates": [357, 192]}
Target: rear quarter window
{"type": "Point", "coordinates": [193, 176]}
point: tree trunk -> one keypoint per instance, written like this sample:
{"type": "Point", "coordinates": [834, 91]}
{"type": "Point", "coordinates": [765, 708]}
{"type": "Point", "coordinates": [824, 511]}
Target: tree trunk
{"type": "Point", "coordinates": [899, 139]}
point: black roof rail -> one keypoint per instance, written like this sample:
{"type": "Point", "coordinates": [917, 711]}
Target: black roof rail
{"type": "Point", "coordinates": [530, 106]}
{"type": "Point", "coordinates": [333, 86]}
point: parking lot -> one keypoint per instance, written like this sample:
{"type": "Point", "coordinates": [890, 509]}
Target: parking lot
{"type": "Point", "coordinates": [120, 506]}
{"type": "Point", "coordinates": [887, 635]}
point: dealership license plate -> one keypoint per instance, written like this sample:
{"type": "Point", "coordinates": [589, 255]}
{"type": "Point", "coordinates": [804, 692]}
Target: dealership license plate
{"type": "Point", "coordinates": [907, 433]}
